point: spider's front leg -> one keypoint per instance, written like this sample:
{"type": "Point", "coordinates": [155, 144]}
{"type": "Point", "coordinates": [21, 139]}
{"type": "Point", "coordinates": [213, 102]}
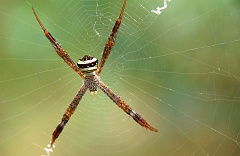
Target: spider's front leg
{"type": "Point", "coordinates": [66, 116]}
{"type": "Point", "coordinates": [126, 108]}
{"type": "Point", "coordinates": [111, 40]}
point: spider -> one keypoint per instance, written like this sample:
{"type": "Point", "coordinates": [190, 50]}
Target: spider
{"type": "Point", "coordinates": [87, 68]}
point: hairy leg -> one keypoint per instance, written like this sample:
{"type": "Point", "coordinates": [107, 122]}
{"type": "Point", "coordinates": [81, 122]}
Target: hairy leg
{"type": "Point", "coordinates": [66, 116]}
{"type": "Point", "coordinates": [126, 108]}
{"type": "Point", "coordinates": [111, 40]}
{"type": "Point", "coordinates": [63, 54]}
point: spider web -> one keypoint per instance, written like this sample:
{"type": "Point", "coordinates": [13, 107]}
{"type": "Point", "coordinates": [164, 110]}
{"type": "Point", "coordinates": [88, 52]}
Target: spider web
{"type": "Point", "coordinates": [178, 69]}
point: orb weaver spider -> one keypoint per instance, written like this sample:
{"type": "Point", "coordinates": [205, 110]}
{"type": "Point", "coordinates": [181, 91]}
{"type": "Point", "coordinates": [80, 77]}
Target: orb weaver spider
{"type": "Point", "coordinates": [87, 68]}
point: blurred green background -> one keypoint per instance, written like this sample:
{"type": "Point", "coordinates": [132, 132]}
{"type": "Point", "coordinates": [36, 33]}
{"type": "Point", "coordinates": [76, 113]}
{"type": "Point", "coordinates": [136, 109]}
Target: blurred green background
{"type": "Point", "coordinates": [179, 70]}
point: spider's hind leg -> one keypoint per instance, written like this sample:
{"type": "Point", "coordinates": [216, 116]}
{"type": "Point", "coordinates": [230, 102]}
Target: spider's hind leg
{"type": "Point", "coordinates": [111, 40]}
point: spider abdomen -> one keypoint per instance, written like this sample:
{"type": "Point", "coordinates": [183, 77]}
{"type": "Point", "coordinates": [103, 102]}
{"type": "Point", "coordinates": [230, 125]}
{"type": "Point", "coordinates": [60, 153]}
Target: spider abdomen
{"type": "Point", "coordinates": [88, 65]}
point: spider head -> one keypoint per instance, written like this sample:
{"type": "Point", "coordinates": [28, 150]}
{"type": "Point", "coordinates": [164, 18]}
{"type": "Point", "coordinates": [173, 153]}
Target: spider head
{"type": "Point", "coordinates": [88, 65]}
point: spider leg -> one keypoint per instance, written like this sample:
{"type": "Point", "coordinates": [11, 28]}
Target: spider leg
{"type": "Point", "coordinates": [126, 108]}
{"type": "Point", "coordinates": [66, 116]}
{"type": "Point", "coordinates": [63, 54]}
{"type": "Point", "coordinates": [111, 40]}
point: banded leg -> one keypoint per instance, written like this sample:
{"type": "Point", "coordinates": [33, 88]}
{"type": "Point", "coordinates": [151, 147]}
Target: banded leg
{"type": "Point", "coordinates": [66, 116]}
{"type": "Point", "coordinates": [63, 54]}
{"type": "Point", "coordinates": [111, 40]}
{"type": "Point", "coordinates": [126, 108]}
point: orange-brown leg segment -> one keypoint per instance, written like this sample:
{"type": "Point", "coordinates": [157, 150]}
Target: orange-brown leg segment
{"type": "Point", "coordinates": [66, 116]}
{"type": "Point", "coordinates": [126, 108]}
{"type": "Point", "coordinates": [63, 54]}
{"type": "Point", "coordinates": [111, 40]}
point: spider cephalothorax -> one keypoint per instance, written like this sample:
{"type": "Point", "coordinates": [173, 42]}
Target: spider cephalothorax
{"type": "Point", "coordinates": [88, 69]}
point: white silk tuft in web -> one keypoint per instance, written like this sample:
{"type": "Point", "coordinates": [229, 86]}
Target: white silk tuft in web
{"type": "Point", "coordinates": [158, 10]}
